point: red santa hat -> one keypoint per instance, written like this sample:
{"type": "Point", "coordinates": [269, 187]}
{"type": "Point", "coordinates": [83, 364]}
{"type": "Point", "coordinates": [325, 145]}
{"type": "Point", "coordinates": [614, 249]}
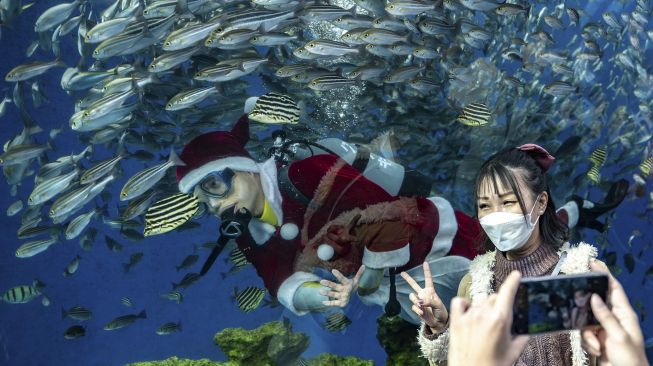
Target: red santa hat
{"type": "Point", "coordinates": [215, 151]}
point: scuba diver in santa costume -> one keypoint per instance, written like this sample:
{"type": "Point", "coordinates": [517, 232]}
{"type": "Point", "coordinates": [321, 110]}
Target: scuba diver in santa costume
{"type": "Point", "coordinates": [340, 208]}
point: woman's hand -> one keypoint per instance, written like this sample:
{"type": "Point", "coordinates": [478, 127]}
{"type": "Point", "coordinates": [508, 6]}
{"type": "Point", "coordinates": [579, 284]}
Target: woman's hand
{"type": "Point", "coordinates": [426, 303]}
{"type": "Point", "coordinates": [480, 334]}
{"type": "Point", "coordinates": [619, 341]}
{"type": "Point", "coordinates": [340, 293]}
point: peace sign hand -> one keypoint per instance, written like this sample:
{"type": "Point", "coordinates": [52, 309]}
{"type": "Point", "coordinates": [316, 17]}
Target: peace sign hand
{"type": "Point", "coordinates": [426, 303]}
{"type": "Point", "coordinates": [340, 292]}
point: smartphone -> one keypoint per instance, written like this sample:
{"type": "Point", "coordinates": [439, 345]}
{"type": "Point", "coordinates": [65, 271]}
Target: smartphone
{"type": "Point", "coordinates": [555, 303]}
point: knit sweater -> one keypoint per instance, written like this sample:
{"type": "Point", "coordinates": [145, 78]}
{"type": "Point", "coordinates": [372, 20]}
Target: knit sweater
{"type": "Point", "coordinates": [545, 349]}
{"type": "Point", "coordinates": [488, 271]}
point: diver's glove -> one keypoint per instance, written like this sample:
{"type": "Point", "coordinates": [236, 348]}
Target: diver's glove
{"type": "Point", "coordinates": [589, 211]}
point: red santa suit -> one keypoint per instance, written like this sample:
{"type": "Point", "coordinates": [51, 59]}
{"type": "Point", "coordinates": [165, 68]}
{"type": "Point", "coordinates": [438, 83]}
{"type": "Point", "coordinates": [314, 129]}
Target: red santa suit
{"type": "Point", "coordinates": [331, 203]}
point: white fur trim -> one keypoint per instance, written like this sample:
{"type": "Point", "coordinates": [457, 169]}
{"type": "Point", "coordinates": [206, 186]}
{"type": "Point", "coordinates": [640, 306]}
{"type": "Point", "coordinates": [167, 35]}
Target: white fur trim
{"type": "Point", "coordinates": [578, 258]}
{"type": "Point", "coordinates": [482, 273]}
{"type": "Point", "coordinates": [287, 290]}
{"type": "Point", "coordinates": [261, 231]}
{"type": "Point", "coordinates": [434, 350]}
{"type": "Point", "coordinates": [446, 230]}
{"type": "Point", "coordinates": [289, 231]}
{"type": "Point", "coordinates": [578, 355]}
{"type": "Point", "coordinates": [392, 258]}
{"type": "Point", "coordinates": [572, 212]}
{"type": "Point", "coordinates": [237, 163]}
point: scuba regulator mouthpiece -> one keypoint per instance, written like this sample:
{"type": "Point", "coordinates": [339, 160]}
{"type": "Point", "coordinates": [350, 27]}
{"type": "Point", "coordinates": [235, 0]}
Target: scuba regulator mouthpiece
{"type": "Point", "coordinates": [234, 223]}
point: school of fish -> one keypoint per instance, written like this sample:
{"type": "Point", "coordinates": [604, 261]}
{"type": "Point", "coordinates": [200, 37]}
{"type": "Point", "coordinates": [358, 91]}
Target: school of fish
{"type": "Point", "coordinates": [451, 81]}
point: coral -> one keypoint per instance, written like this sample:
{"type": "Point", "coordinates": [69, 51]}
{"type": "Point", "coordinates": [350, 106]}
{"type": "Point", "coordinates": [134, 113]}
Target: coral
{"type": "Point", "coordinates": [272, 343]}
{"type": "Point", "coordinates": [174, 361]}
{"type": "Point", "coordinates": [399, 339]}
{"type": "Point", "coordinates": [327, 359]}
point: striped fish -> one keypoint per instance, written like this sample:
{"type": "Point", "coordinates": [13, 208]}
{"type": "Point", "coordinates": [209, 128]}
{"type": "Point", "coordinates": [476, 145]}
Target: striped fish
{"type": "Point", "coordinates": [124, 321]}
{"type": "Point", "coordinates": [188, 262]}
{"type": "Point", "coordinates": [169, 328]}
{"type": "Point", "coordinates": [598, 156]}
{"type": "Point", "coordinates": [323, 83]}
{"type": "Point", "coordinates": [35, 247]}
{"type": "Point", "coordinates": [100, 169]}
{"type": "Point", "coordinates": [169, 213]}
{"type": "Point", "coordinates": [274, 108]}
{"type": "Point", "coordinates": [137, 206]}
{"type": "Point", "coordinates": [147, 178]}
{"type": "Point", "coordinates": [188, 280]}
{"type": "Point", "coordinates": [239, 261]}
{"type": "Point", "coordinates": [474, 114]}
{"type": "Point", "coordinates": [250, 298]}
{"type": "Point", "coordinates": [78, 313]}
{"type": "Point", "coordinates": [645, 166]}
{"type": "Point", "coordinates": [74, 332]}
{"type": "Point", "coordinates": [22, 294]}
{"type": "Point", "coordinates": [336, 322]}
{"type": "Point", "coordinates": [126, 301]}
{"type": "Point", "coordinates": [594, 175]}
{"type": "Point", "coordinates": [237, 257]}
{"type": "Point", "coordinates": [174, 295]}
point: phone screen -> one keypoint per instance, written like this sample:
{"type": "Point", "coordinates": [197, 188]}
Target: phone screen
{"type": "Point", "coordinates": [554, 303]}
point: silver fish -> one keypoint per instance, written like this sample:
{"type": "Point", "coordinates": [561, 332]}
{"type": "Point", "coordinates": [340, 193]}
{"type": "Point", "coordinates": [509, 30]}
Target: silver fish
{"type": "Point", "coordinates": [72, 267]}
{"type": "Point", "coordinates": [35, 247]}
{"type": "Point", "coordinates": [54, 16]}
{"type": "Point", "coordinates": [146, 179]}
{"type": "Point", "coordinates": [49, 188]}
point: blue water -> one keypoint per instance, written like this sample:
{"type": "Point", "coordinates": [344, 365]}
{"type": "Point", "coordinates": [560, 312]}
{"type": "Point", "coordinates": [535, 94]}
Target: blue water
{"type": "Point", "coordinates": [32, 335]}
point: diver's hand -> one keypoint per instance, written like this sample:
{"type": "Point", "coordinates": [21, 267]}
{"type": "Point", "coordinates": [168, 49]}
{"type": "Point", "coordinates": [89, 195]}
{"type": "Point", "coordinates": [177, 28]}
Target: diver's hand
{"type": "Point", "coordinates": [340, 292]}
{"type": "Point", "coordinates": [426, 303]}
{"type": "Point", "coordinates": [619, 341]}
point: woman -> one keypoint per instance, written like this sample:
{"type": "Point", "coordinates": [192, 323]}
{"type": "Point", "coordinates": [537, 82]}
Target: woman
{"type": "Point", "coordinates": [522, 232]}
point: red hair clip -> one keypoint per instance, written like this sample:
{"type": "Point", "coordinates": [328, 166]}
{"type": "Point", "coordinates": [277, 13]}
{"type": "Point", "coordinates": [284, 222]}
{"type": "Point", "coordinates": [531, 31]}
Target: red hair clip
{"type": "Point", "coordinates": [541, 156]}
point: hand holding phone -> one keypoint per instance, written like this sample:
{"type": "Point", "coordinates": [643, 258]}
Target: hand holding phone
{"type": "Point", "coordinates": [555, 303]}
{"type": "Point", "coordinates": [620, 340]}
{"type": "Point", "coordinates": [479, 334]}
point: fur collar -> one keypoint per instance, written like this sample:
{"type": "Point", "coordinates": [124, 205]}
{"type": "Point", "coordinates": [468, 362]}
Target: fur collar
{"type": "Point", "coordinates": [578, 259]}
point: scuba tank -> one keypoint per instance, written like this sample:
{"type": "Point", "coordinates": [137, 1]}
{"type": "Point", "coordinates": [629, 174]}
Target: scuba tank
{"type": "Point", "coordinates": [392, 177]}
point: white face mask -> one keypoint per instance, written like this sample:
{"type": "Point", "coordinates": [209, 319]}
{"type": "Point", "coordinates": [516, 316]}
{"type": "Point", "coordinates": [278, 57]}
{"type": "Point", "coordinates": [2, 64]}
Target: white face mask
{"type": "Point", "coordinates": [507, 230]}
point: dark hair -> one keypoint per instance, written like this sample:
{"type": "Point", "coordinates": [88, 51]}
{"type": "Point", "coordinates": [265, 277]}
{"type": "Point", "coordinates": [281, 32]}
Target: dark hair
{"type": "Point", "coordinates": [503, 167]}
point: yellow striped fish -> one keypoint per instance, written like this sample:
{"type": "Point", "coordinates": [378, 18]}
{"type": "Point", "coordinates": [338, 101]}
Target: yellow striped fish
{"type": "Point", "coordinates": [594, 175]}
{"type": "Point", "coordinates": [275, 108]}
{"type": "Point", "coordinates": [645, 166]}
{"type": "Point", "coordinates": [336, 322]}
{"type": "Point", "coordinates": [169, 213]}
{"type": "Point", "coordinates": [250, 298]}
{"type": "Point", "coordinates": [474, 114]}
{"type": "Point", "coordinates": [598, 156]}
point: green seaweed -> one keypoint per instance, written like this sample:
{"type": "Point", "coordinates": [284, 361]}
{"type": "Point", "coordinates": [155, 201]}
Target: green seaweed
{"type": "Point", "coordinates": [399, 339]}
{"type": "Point", "coordinates": [271, 344]}
{"type": "Point", "coordinates": [174, 361]}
